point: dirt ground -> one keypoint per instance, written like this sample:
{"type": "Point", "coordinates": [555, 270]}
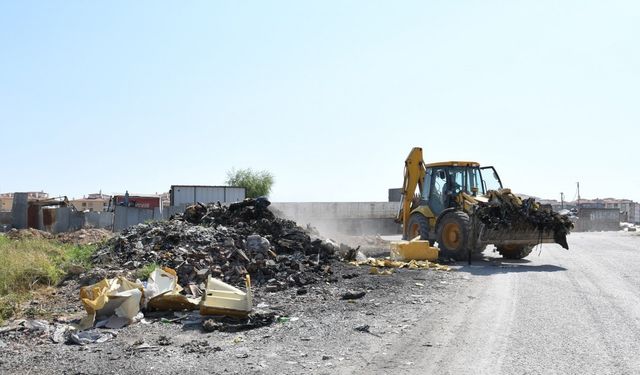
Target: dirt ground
{"type": "Point", "coordinates": [317, 331]}
{"type": "Point", "coordinates": [556, 312]}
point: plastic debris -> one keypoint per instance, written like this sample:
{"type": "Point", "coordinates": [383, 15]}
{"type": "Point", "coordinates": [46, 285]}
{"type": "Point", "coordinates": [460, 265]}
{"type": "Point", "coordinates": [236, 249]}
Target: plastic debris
{"type": "Point", "coordinates": [223, 299]}
{"type": "Point", "coordinates": [37, 325]}
{"type": "Point", "coordinates": [389, 263]}
{"type": "Point", "coordinates": [110, 297]}
{"type": "Point", "coordinates": [413, 250]}
{"type": "Point", "coordinates": [61, 333]}
{"type": "Point", "coordinates": [163, 292]}
{"type": "Point", "coordinates": [92, 336]}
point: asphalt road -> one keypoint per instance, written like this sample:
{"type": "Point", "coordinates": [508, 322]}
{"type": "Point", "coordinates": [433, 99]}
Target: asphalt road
{"type": "Point", "coordinates": [555, 312]}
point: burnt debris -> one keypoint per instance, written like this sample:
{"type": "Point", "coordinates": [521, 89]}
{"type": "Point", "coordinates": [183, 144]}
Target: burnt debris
{"type": "Point", "coordinates": [227, 243]}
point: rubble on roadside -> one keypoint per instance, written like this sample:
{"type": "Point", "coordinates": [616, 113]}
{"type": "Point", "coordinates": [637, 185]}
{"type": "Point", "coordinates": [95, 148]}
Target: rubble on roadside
{"type": "Point", "coordinates": [386, 264]}
{"type": "Point", "coordinates": [200, 257]}
{"type": "Point", "coordinates": [254, 320]}
{"type": "Point", "coordinates": [628, 227]}
{"type": "Point", "coordinates": [226, 243]}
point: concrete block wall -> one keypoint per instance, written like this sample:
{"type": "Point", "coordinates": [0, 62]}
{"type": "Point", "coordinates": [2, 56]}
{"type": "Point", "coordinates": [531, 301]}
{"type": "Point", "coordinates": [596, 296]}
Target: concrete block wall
{"type": "Point", "coordinates": [19, 210]}
{"type": "Point", "coordinates": [350, 218]}
{"type": "Point", "coordinates": [66, 220]}
{"type": "Point", "coordinates": [339, 210]}
{"type": "Point", "coordinates": [98, 220]}
{"type": "Point", "coordinates": [125, 217]}
{"type": "Point", "coordinates": [597, 219]}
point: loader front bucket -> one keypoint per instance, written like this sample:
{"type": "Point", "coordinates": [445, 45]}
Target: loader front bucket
{"type": "Point", "coordinates": [532, 236]}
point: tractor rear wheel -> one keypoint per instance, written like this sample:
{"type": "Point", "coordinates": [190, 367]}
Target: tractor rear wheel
{"type": "Point", "coordinates": [514, 251]}
{"type": "Point", "coordinates": [453, 235]}
{"type": "Point", "coordinates": [418, 226]}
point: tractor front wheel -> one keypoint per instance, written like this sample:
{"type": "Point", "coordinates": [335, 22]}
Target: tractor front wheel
{"type": "Point", "coordinates": [418, 226]}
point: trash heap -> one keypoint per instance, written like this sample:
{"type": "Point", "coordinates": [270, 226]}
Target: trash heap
{"type": "Point", "coordinates": [226, 243]}
{"type": "Point", "coordinates": [505, 210]}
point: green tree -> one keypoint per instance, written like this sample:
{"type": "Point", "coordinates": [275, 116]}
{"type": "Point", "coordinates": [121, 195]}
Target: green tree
{"type": "Point", "coordinates": [256, 183]}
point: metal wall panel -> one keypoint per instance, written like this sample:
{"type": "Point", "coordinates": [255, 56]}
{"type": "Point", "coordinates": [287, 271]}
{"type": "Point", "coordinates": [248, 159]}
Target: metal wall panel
{"type": "Point", "coordinates": [183, 195]}
{"type": "Point", "coordinates": [210, 194]}
{"type": "Point", "coordinates": [186, 195]}
{"type": "Point", "coordinates": [597, 219]}
{"type": "Point", "coordinates": [234, 194]}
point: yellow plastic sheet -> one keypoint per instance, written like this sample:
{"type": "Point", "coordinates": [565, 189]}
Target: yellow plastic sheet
{"type": "Point", "coordinates": [110, 297]}
{"type": "Point", "coordinates": [390, 264]}
{"type": "Point", "coordinates": [164, 292]}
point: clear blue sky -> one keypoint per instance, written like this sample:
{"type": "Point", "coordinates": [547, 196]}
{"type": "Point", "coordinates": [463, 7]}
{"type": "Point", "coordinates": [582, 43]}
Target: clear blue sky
{"type": "Point", "coordinates": [329, 96]}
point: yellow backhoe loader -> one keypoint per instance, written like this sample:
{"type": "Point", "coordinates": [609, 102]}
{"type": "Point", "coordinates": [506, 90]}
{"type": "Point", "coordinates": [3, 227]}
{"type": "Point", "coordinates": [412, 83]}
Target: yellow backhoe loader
{"type": "Point", "coordinates": [463, 207]}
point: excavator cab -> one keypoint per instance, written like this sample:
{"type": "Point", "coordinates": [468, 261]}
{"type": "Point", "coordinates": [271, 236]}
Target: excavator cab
{"type": "Point", "coordinates": [443, 182]}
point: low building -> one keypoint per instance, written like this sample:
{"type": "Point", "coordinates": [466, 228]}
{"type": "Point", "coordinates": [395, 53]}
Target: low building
{"type": "Point", "coordinates": [6, 202]}
{"type": "Point", "coordinates": [137, 200]}
{"type": "Point", "coordinates": [629, 210]}
{"type": "Point", "coordinates": [6, 199]}
{"type": "Point", "coordinates": [93, 203]}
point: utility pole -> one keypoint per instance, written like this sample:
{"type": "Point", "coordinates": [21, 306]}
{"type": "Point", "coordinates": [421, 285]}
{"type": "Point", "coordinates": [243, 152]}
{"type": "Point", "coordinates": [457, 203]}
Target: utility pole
{"type": "Point", "coordinates": [578, 185]}
{"type": "Point", "coordinates": [561, 200]}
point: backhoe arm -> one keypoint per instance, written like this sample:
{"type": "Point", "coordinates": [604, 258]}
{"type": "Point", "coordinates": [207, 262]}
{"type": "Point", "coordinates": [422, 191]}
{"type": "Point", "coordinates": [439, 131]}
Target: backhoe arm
{"type": "Point", "coordinates": [414, 172]}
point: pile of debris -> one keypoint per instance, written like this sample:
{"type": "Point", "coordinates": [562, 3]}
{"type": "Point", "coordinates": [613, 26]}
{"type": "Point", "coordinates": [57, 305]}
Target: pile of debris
{"type": "Point", "coordinates": [28, 234]}
{"type": "Point", "coordinates": [226, 243]}
{"type": "Point", "coordinates": [85, 236]}
{"type": "Point", "coordinates": [505, 210]}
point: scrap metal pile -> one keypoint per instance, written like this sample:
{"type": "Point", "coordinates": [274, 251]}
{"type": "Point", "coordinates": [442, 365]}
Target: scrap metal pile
{"type": "Point", "coordinates": [226, 243]}
{"type": "Point", "coordinates": [504, 210]}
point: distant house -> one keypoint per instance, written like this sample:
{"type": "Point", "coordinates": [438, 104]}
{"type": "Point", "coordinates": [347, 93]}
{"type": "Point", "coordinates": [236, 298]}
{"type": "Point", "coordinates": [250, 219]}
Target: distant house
{"type": "Point", "coordinates": [93, 203]}
{"type": "Point", "coordinates": [629, 210]}
{"type": "Point", "coordinates": [6, 199]}
{"type": "Point", "coordinates": [137, 200]}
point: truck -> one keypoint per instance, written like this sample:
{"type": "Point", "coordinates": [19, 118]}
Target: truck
{"type": "Point", "coordinates": [463, 207]}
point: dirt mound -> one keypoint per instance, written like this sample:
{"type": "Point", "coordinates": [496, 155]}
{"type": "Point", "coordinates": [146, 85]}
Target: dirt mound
{"type": "Point", "coordinates": [24, 234]}
{"type": "Point", "coordinates": [85, 236]}
{"type": "Point", "coordinates": [227, 243]}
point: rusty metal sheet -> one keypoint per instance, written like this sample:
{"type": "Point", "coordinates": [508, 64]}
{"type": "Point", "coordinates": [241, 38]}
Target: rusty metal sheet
{"type": "Point", "coordinates": [49, 218]}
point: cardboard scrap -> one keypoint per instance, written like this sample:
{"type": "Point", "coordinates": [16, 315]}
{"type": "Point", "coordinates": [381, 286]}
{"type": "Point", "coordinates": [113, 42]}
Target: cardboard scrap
{"type": "Point", "coordinates": [412, 264]}
{"type": "Point", "coordinates": [115, 303]}
{"type": "Point", "coordinates": [111, 297]}
{"type": "Point", "coordinates": [163, 292]}
{"type": "Point", "coordinates": [223, 299]}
